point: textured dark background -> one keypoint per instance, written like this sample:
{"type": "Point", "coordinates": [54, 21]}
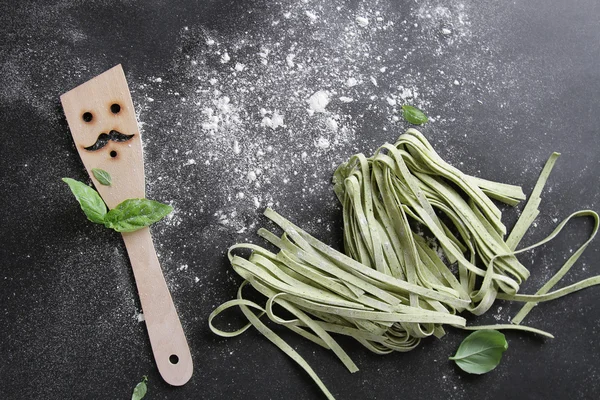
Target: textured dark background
{"type": "Point", "coordinates": [529, 84]}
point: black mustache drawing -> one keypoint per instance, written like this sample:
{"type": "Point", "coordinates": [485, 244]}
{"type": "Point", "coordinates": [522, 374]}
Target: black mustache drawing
{"type": "Point", "coordinates": [104, 138]}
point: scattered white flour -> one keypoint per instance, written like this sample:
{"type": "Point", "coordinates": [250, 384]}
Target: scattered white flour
{"type": "Point", "coordinates": [323, 143]}
{"type": "Point", "coordinates": [331, 124]}
{"type": "Point", "coordinates": [139, 316]}
{"type": "Point", "coordinates": [498, 316]}
{"type": "Point", "coordinates": [318, 101]}
{"type": "Point", "coordinates": [272, 125]}
{"type": "Point", "coordinates": [236, 147]}
{"type": "Point", "coordinates": [311, 16]}
{"type": "Point", "coordinates": [289, 59]}
{"type": "Point", "coordinates": [362, 21]}
{"type": "Point", "coordinates": [406, 93]}
{"type": "Point", "coordinates": [270, 112]}
{"type": "Point", "coordinates": [274, 121]}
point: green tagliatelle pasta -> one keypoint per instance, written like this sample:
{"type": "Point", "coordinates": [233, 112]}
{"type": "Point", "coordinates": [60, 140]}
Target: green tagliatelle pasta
{"type": "Point", "coordinates": [393, 286]}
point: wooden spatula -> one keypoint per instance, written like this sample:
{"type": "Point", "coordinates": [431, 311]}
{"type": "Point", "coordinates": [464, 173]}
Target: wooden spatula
{"type": "Point", "coordinates": [102, 121]}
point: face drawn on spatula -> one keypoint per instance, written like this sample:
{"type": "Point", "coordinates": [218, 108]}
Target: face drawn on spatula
{"type": "Point", "coordinates": [102, 120]}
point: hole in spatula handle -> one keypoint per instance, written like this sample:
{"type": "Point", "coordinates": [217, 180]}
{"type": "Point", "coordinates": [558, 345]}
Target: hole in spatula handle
{"type": "Point", "coordinates": [173, 359]}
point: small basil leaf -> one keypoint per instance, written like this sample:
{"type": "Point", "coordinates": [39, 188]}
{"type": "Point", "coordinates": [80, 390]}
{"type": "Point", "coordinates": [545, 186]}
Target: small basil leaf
{"type": "Point", "coordinates": [140, 390]}
{"type": "Point", "coordinates": [90, 201]}
{"type": "Point", "coordinates": [102, 176]}
{"type": "Point", "coordinates": [134, 214]}
{"type": "Point", "coordinates": [414, 115]}
{"type": "Point", "coordinates": [481, 351]}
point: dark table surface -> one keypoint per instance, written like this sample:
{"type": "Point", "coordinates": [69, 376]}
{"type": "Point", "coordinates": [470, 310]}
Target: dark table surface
{"type": "Point", "coordinates": [506, 83]}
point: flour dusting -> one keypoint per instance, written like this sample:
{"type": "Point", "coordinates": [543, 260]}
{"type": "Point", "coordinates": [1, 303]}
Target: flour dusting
{"type": "Point", "coordinates": [265, 114]}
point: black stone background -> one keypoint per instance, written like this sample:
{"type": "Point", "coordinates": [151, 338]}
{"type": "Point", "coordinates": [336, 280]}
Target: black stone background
{"type": "Point", "coordinates": [66, 293]}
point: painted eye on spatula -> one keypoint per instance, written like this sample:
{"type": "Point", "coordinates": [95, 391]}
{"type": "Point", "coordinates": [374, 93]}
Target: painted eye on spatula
{"type": "Point", "coordinates": [102, 121]}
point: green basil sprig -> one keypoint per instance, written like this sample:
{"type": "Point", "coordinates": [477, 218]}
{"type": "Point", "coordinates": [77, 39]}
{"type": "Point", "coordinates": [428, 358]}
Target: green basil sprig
{"type": "Point", "coordinates": [140, 390]}
{"type": "Point", "coordinates": [102, 176]}
{"type": "Point", "coordinates": [414, 115]}
{"type": "Point", "coordinates": [90, 201]}
{"type": "Point", "coordinates": [133, 214]}
{"type": "Point", "coordinates": [481, 351]}
{"type": "Point", "coordinates": [128, 216]}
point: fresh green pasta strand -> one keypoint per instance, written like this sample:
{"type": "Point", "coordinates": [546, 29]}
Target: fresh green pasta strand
{"type": "Point", "coordinates": [509, 327]}
{"type": "Point", "coordinates": [430, 257]}
{"type": "Point", "coordinates": [508, 194]}
{"type": "Point", "coordinates": [319, 331]}
{"type": "Point", "coordinates": [531, 208]}
{"type": "Point", "coordinates": [566, 266]}
{"type": "Point", "coordinates": [245, 306]}
{"type": "Point", "coordinates": [352, 332]}
{"type": "Point", "coordinates": [575, 287]}
{"type": "Point", "coordinates": [225, 306]}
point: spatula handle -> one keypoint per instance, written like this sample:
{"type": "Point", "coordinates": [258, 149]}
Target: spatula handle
{"type": "Point", "coordinates": [167, 338]}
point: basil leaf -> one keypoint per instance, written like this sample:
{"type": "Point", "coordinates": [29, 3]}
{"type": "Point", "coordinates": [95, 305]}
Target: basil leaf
{"type": "Point", "coordinates": [90, 201]}
{"type": "Point", "coordinates": [140, 390]}
{"type": "Point", "coordinates": [102, 176]}
{"type": "Point", "coordinates": [414, 115]}
{"type": "Point", "coordinates": [134, 214]}
{"type": "Point", "coordinates": [481, 351]}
